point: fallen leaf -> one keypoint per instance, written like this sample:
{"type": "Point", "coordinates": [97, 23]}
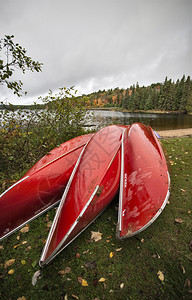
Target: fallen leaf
{"type": "Point", "coordinates": [182, 269]}
{"type": "Point", "coordinates": [82, 281]}
{"type": "Point", "coordinates": [96, 235]}
{"type": "Point", "coordinates": [9, 263]}
{"type": "Point", "coordinates": [95, 282]}
{"type": "Point", "coordinates": [22, 298]}
{"type": "Point", "coordinates": [23, 262]}
{"type": "Point", "coordinates": [16, 246]}
{"type": "Point", "coordinates": [66, 297]}
{"type": "Point", "coordinates": [183, 190]}
{"type": "Point", "coordinates": [189, 211]}
{"type": "Point", "coordinates": [111, 254]}
{"type": "Point", "coordinates": [28, 248]}
{"type": "Point", "coordinates": [25, 229]}
{"type": "Point", "coordinates": [66, 271]}
{"type": "Point", "coordinates": [24, 242]}
{"type": "Point", "coordinates": [35, 276]}
{"type": "Point", "coordinates": [62, 272]}
{"type": "Point", "coordinates": [161, 275]}
{"type": "Point", "coordinates": [122, 285]}
{"type": "Point", "coordinates": [78, 255]}
{"type": "Point", "coordinates": [84, 252]}
{"type": "Point", "coordinates": [178, 220]}
{"type": "Point", "coordinates": [118, 249]}
{"type": "Point", "coordinates": [102, 279]}
{"type": "Point", "coordinates": [11, 272]}
{"type": "Point", "coordinates": [142, 240]}
{"type": "Point", "coordinates": [49, 224]}
{"type": "Point", "coordinates": [74, 296]}
{"type": "Point", "coordinates": [187, 283]}
{"type": "Point", "coordinates": [18, 237]}
{"type": "Point", "coordinates": [1, 247]}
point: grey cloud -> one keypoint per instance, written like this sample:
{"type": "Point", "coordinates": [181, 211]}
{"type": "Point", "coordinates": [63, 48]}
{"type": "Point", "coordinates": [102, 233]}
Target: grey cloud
{"type": "Point", "coordinates": [100, 44]}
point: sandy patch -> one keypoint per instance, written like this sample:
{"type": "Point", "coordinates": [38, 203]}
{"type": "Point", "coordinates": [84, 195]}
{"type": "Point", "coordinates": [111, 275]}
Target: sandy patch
{"type": "Point", "coordinates": [175, 133]}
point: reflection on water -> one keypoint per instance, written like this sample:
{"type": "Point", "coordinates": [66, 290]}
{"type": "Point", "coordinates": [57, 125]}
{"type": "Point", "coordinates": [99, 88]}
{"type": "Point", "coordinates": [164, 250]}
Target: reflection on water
{"type": "Point", "coordinates": [165, 121]}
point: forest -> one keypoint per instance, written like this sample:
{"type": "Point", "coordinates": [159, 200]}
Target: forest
{"type": "Point", "coordinates": [166, 96]}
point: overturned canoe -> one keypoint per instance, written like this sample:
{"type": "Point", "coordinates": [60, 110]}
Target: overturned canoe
{"type": "Point", "coordinates": [91, 187]}
{"type": "Point", "coordinates": [41, 187]}
{"type": "Point", "coordinates": [144, 182]}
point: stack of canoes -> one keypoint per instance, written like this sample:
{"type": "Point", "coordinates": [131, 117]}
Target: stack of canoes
{"type": "Point", "coordinates": [83, 175]}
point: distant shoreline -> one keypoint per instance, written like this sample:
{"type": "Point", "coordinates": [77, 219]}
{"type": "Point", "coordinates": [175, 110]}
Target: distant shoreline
{"type": "Point", "coordinates": [118, 109]}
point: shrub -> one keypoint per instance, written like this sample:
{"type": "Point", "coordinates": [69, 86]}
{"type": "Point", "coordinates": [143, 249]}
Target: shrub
{"type": "Point", "coordinates": [27, 135]}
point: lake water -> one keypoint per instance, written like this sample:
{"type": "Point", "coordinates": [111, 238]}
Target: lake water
{"type": "Point", "coordinates": [102, 118]}
{"type": "Point", "coordinates": [163, 121]}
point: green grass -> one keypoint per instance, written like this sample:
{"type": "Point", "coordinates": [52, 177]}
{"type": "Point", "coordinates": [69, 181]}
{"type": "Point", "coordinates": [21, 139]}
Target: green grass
{"type": "Point", "coordinates": [164, 246]}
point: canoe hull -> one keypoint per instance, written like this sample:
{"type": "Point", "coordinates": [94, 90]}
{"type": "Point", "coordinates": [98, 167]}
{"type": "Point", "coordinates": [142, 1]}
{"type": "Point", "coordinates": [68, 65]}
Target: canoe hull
{"type": "Point", "coordinates": [41, 188]}
{"type": "Point", "coordinates": [145, 182]}
{"type": "Point", "coordinates": [92, 186]}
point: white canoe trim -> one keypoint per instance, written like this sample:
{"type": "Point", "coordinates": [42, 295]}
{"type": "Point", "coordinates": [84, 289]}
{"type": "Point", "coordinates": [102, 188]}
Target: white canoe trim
{"type": "Point", "coordinates": [13, 186]}
{"type": "Point", "coordinates": [121, 181]}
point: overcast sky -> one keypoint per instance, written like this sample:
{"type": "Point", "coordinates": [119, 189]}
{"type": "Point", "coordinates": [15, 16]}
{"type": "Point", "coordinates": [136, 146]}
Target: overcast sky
{"type": "Point", "coordinates": [99, 44]}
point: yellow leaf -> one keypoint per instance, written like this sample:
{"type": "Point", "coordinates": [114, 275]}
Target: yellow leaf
{"type": "Point", "coordinates": [16, 246]}
{"type": "Point", "coordinates": [12, 271]}
{"type": "Point", "coordinates": [23, 262]}
{"type": "Point", "coordinates": [9, 263]}
{"type": "Point", "coordinates": [102, 279]}
{"type": "Point", "coordinates": [84, 283]}
{"type": "Point", "coordinates": [111, 254]}
{"type": "Point", "coordinates": [160, 275]}
{"type": "Point", "coordinates": [1, 247]}
{"type": "Point", "coordinates": [22, 298]}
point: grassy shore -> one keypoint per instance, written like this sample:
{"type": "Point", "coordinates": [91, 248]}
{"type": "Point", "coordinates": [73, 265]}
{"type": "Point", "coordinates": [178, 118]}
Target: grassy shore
{"type": "Point", "coordinates": [156, 264]}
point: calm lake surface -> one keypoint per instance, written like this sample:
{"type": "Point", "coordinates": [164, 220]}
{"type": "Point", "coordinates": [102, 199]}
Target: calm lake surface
{"type": "Point", "coordinates": [163, 121]}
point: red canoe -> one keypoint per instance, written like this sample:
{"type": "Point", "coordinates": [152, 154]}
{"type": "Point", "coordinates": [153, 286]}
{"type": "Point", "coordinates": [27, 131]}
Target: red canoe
{"type": "Point", "coordinates": [41, 187]}
{"type": "Point", "coordinates": [144, 183]}
{"type": "Point", "coordinates": [91, 187]}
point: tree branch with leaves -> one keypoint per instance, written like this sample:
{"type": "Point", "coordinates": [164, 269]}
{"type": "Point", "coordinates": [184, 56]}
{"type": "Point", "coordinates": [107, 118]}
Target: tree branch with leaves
{"type": "Point", "coordinates": [12, 57]}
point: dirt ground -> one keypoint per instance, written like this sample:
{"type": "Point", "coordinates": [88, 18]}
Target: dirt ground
{"type": "Point", "coordinates": [175, 133]}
